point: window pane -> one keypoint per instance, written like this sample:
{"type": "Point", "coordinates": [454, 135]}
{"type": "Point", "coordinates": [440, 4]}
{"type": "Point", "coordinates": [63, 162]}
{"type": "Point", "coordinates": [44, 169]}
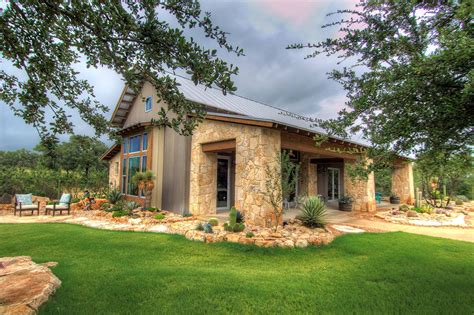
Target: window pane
{"type": "Point", "coordinates": [144, 163]}
{"type": "Point", "coordinates": [124, 145]}
{"type": "Point", "coordinates": [145, 141]}
{"type": "Point", "coordinates": [135, 144]}
{"type": "Point", "coordinates": [148, 104]}
{"type": "Point", "coordinates": [124, 184]}
{"type": "Point", "coordinates": [124, 167]}
{"type": "Point", "coordinates": [133, 168]}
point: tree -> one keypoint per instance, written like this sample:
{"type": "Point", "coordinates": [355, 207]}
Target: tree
{"type": "Point", "coordinates": [410, 86]}
{"type": "Point", "coordinates": [45, 39]}
{"type": "Point", "coordinates": [280, 183]}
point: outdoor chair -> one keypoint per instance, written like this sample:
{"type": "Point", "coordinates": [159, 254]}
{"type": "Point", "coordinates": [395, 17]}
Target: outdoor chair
{"type": "Point", "coordinates": [24, 202]}
{"type": "Point", "coordinates": [63, 204]}
{"type": "Point", "coordinates": [378, 197]}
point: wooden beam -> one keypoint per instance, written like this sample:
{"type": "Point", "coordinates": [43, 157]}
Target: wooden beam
{"type": "Point", "coordinates": [306, 144]}
{"type": "Point", "coordinates": [224, 145]}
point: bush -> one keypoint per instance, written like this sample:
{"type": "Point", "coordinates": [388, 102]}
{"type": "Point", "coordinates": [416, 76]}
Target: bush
{"type": "Point", "coordinates": [153, 209]}
{"type": "Point", "coordinates": [458, 202]}
{"type": "Point", "coordinates": [249, 235]}
{"type": "Point", "coordinates": [423, 209]}
{"type": "Point", "coordinates": [343, 200]}
{"type": "Point", "coordinates": [114, 196]}
{"type": "Point", "coordinates": [132, 205]}
{"type": "Point", "coordinates": [404, 208]}
{"type": "Point", "coordinates": [462, 198]}
{"type": "Point", "coordinates": [208, 228]}
{"type": "Point", "coordinates": [213, 222]}
{"type": "Point", "coordinates": [120, 213]}
{"type": "Point", "coordinates": [160, 216]}
{"type": "Point", "coordinates": [187, 215]}
{"type": "Point", "coordinates": [105, 206]}
{"type": "Point", "coordinates": [314, 209]}
{"type": "Point", "coordinates": [200, 226]}
{"type": "Point", "coordinates": [75, 200]}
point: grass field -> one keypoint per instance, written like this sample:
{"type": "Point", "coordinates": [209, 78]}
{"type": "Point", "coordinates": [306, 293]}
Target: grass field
{"type": "Point", "coordinates": [130, 272]}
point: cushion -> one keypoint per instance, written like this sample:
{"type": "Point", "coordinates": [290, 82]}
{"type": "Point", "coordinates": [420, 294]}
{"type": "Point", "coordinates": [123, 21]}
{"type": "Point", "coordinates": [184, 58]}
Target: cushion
{"type": "Point", "coordinates": [58, 207]}
{"type": "Point", "coordinates": [25, 199]}
{"type": "Point", "coordinates": [65, 199]}
{"type": "Point", "coordinates": [27, 207]}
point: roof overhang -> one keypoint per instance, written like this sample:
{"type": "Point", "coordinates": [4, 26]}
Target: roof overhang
{"type": "Point", "coordinates": [111, 152]}
{"type": "Point", "coordinates": [123, 107]}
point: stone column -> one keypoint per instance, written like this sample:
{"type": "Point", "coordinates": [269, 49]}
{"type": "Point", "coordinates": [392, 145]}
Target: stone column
{"type": "Point", "coordinates": [203, 190]}
{"type": "Point", "coordinates": [402, 182]}
{"type": "Point", "coordinates": [362, 191]}
{"type": "Point", "coordinates": [307, 185]}
{"type": "Point", "coordinates": [255, 149]}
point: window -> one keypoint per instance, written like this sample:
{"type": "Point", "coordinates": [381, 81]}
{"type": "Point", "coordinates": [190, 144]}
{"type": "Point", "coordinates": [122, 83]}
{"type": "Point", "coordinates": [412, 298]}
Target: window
{"type": "Point", "coordinates": [124, 145]}
{"type": "Point", "coordinates": [124, 176]}
{"type": "Point", "coordinates": [135, 144]}
{"type": "Point", "coordinates": [145, 142]}
{"type": "Point", "coordinates": [148, 104]}
{"type": "Point", "coordinates": [144, 163]}
{"type": "Point", "coordinates": [133, 168]}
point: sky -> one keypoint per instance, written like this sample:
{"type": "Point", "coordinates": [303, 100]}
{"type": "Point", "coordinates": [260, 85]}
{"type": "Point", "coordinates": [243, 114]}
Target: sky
{"type": "Point", "coordinates": [268, 72]}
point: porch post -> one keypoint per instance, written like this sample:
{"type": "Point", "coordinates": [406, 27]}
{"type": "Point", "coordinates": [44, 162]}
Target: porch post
{"type": "Point", "coordinates": [362, 191]}
{"type": "Point", "coordinates": [203, 186]}
{"type": "Point", "coordinates": [307, 185]}
{"type": "Point", "coordinates": [402, 182]}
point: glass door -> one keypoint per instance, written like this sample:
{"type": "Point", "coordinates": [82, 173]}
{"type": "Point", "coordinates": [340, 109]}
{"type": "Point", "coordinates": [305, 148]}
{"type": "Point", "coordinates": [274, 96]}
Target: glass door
{"type": "Point", "coordinates": [333, 183]}
{"type": "Point", "coordinates": [223, 183]}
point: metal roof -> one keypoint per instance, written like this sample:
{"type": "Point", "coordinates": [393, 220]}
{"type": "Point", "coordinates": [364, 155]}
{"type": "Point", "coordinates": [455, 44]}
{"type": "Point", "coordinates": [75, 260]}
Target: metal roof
{"type": "Point", "coordinates": [229, 103]}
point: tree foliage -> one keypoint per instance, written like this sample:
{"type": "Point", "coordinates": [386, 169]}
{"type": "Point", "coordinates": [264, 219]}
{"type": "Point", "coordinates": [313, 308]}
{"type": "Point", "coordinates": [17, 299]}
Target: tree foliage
{"type": "Point", "coordinates": [410, 84]}
{"type": "Point", "coordinates": [46, 39]}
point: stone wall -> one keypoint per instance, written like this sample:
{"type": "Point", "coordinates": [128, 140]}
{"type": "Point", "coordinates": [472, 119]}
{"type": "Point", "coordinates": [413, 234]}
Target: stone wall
{"type": "Point", "coordinates": [256, 147]}
{"type": "Point", "coordinates": [308, 177]}
{"type": "Point", "coordinates": [402, 182]}
{"type": "Point", "coordinates": [114, 171]}
{"type": "Point", "coordinates": [362, 191]}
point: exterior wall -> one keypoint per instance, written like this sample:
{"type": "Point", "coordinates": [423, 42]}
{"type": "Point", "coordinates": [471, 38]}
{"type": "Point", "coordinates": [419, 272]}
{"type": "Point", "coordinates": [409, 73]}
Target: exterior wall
{"type": "Point", "coordinates": [177, 150]}
{"type": "Point", "coordinates": [256, 147]}
{"type": "Point", "coordinates": [114, 172]}
{"type": "Point", "coordinates": [308, 177]}
{"type": "Point", "coordinates": [362, 192]}
{"type": "Point", "coordinates": [137, 113]}
{"type": "Point", "coordinates": [157, 165]}
{"type": "Point", "coordinates": [403, 184]}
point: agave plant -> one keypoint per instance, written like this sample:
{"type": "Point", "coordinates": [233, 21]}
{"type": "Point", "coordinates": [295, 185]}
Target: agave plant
{"type": "Point", "coordinates": [313, 212]}
{"type": "Point", "coordinates": [114, 196]}
{"type": "Point", "coordinates": [144, 181]}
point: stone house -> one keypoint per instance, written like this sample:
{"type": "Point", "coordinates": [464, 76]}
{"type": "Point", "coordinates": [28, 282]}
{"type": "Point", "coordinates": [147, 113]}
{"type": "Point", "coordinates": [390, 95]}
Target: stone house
{"type": "Point", "coordinates": [223, 163]}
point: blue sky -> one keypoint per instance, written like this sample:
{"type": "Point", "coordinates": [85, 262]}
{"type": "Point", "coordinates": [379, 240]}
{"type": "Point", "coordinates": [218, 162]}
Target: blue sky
{"type": "Point", "coordinates": [268, 72]}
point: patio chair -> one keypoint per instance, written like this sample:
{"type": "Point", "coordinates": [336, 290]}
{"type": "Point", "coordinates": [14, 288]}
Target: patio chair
{"type": "Point", "coordinates": [63, 204]}
{"type": "Point", "coordinates": [24, 202]}
{"type": "Point", "coordinates": [378, 197]}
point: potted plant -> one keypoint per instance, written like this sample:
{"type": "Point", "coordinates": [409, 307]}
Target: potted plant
{"type": "Point", "coordinates": [345, 203]}
{"type": "Point", "coordinates": [394, 199]}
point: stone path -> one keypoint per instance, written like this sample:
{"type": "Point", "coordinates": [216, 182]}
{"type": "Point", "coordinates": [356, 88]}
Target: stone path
{"type": "Point", "coordinates": [25, 285]}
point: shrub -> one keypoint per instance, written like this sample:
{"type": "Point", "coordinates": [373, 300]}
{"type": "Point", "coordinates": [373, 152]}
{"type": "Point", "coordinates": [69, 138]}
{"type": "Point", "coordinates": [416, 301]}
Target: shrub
{"type": "Point", "coordinates": [114, 196]}
{"type": "Point", "coordinates": [423, 209]}
{"type": "Point", "coordinates": [404, 208]}
{"type": "Point", "coordinates": [417, 209]}
{"type": "Point", "coordinates": [240, 217]}
{"type": "Point", "coordinates": [344, 200]}
{"type": "Point", "coordinates": [187, 215]}
{"type": "Point", "coordinates": [132, 205]}
{"type": "Point", "coordinates": [314, 209]}
{"type": "Point", "coordinates": [160, 216]}
{"type": "Point", "coordinates": [213, 222]}
{"type": "Point", "coordinates": [105, 206]}
{"type": "Point", "coordinates": [153, 209]}
{"type": "Point", "coordinates": [459, 202]}
{"type": "Point", "coordinates": [249, 235]}
{"type": "Point", "coordinates": [462, 198]}
{"type": "Point", "coordinates": [200, 226]}
{"type": "Point", "coordinates": [208, 228]}
{"type": "Point", "coordinates": [120, 213]}
{"type": "Point", "coordinates": [75, 200]}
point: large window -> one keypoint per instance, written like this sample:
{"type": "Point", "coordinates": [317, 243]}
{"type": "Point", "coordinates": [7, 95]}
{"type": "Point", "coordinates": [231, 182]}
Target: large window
{"type": "Point", "coordinates": [134, 160]}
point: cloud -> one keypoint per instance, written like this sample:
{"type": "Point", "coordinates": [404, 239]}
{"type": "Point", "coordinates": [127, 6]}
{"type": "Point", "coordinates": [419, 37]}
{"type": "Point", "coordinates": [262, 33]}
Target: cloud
{"type": "Point", "coordinates": [269, 73]}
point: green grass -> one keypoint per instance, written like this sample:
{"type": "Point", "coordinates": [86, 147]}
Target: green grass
{"type": "Point", "coordinates": [127, 272]}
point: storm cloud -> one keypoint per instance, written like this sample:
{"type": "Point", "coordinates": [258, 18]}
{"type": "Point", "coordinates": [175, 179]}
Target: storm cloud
{"type": "Point", "coordinates": [268, 72]}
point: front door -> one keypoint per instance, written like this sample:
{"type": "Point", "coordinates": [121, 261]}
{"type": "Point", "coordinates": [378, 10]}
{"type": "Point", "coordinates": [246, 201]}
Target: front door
{"type": "Point", "coordinates": [333, 183]}
{"type": "Point", "coordinates": [223, 183]}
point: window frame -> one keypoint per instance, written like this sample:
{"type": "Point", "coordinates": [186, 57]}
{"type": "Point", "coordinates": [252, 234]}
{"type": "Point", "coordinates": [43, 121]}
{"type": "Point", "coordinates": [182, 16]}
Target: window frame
{"type": "Point", "coordinates": [127, 154]}
{"type": "Point", "coordinates": [150, 99]}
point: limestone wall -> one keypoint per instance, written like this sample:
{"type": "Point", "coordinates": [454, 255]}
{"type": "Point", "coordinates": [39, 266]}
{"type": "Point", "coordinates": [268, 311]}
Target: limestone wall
{"type": "Point", "coordinates": [362, 191]}
{"type": "Point", "coordinates": [402, 183]}
{"type": "Point", "coordinates": [256, 147]}
{"type": "Point", "coordinates": [115, 171]}
{"type": "Point", "coordinates": [308, 177]}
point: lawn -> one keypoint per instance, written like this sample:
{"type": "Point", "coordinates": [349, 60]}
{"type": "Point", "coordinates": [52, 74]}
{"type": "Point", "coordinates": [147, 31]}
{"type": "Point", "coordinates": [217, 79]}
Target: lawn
{"type": "Point", "coordinates": [130, 272]}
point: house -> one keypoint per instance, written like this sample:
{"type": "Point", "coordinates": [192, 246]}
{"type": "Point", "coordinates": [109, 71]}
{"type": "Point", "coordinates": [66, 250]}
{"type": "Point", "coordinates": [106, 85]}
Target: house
{"type": "Point", "coordinates": [223, 163]}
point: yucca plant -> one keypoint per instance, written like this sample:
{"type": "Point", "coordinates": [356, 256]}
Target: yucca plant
{"type": "Point", "coordinates": [114, 196]}
{"type": "Point", "coordinates": [144, 181]}
{"type": "Point", "coordinates": [313, 212]}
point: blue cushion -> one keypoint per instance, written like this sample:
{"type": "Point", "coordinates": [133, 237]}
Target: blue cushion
{"type": "Point", "coordinates": [25, 199]}
{"type": "Point", "coordinates": [65, 199]}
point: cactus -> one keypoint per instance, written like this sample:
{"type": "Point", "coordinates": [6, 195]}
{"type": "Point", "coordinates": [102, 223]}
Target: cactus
{"type": "Point", "coordinates": [418, 198]}
{"type": "Point", "coordinates": [233, 216]}
{"type": "Point", "coordinates": [233, 226]}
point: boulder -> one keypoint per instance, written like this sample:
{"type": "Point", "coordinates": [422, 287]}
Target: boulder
{"type": "Point", "coordinates": [25, 285]}
{"type": "Point", "coordinates": [411, 214]}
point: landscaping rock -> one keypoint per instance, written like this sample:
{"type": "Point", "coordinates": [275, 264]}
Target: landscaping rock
{"type": "Point", "coordinates": [25, 285]}
{"type": "Point", "coordinates": [412, 214]}
{"type": "Point", "coordinates": [301, 243]}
